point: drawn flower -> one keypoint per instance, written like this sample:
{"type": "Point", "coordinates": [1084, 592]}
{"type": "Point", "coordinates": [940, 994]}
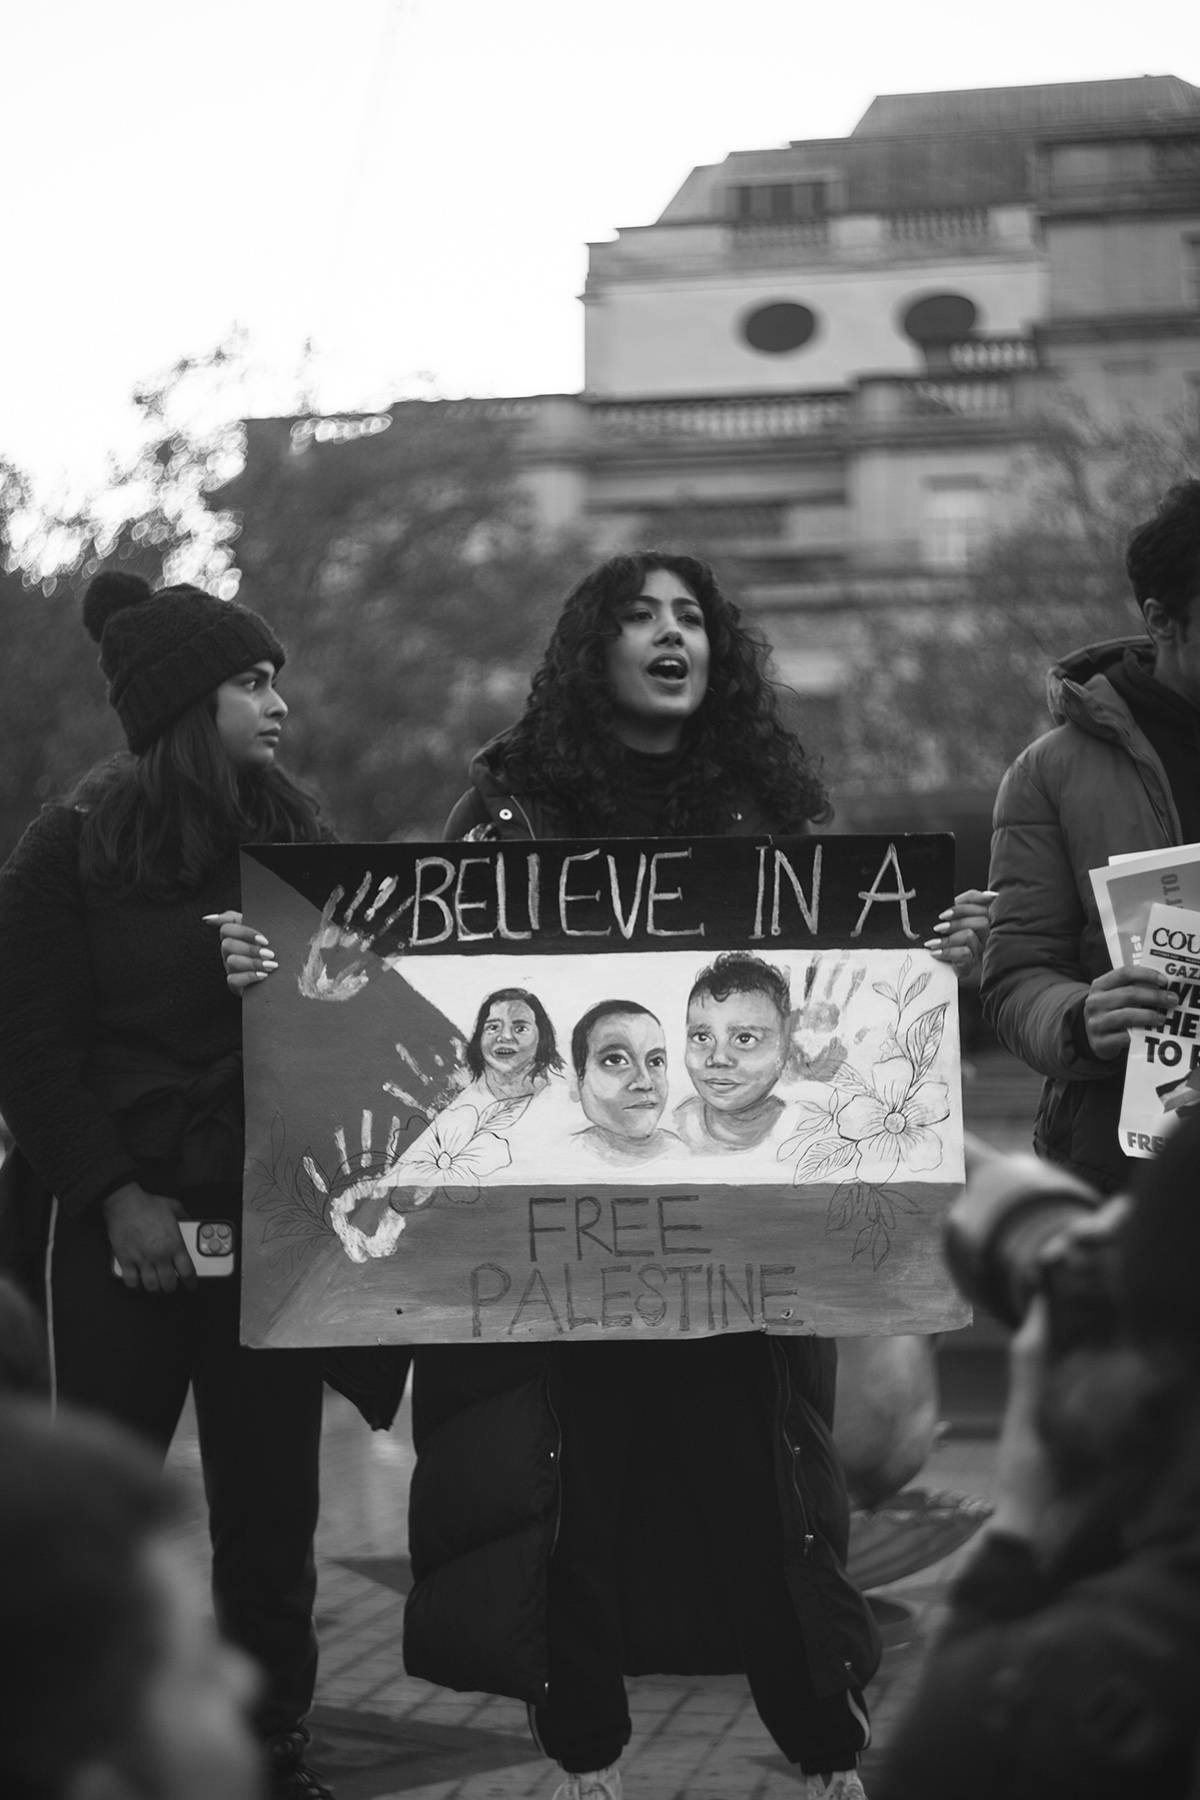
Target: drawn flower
{"type": "Point", "coordinates": [890, 1120]}
{"type": "Point", "coordinates": [454, 1154]}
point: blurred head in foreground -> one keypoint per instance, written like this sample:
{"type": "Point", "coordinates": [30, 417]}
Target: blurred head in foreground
{"type": "Point", "coordinates": [117, 1686]}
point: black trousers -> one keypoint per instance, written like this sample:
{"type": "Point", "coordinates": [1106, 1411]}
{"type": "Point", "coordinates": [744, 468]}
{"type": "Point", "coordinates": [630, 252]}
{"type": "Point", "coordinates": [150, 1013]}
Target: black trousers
{"type": "Point", "coordinates": [132, 1355]}
{"type": "Point", "coordinates": [709, 1405]}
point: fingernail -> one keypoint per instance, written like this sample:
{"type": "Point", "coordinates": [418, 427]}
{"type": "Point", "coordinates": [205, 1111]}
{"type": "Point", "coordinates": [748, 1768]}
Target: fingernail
{"type": "Point", "coordinates": [933, 943]}
{"type": "Point", "coordinates": [267, 963]}
{"type": "Point", "coordinates": [260, 939]}
{"type": "Point", "coordinates": [210, 918]}
{"type": "Point", "coordinates": [988, 893]}
{"type": "Point", "coordinates": [260, 974]}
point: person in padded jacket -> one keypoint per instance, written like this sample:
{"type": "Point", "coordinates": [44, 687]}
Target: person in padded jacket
{"type": "Point", "coordinates": [583, 1511]}
{"type": "Point", "coordinates": [1119, 773]}
{"type": "Point", "coordinates": [659, 1506]}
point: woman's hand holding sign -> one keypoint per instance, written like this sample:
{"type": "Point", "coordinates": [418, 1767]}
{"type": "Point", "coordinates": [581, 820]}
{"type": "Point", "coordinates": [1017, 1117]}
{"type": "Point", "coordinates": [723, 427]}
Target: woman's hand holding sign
{"type": "Point", "coordinates": [962, 931]}
{"type": "Point", "coordinates": [246, 954]}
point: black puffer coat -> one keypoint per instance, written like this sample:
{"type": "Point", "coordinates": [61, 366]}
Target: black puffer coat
{"type": "Point", "coordinates": [489, 1432]}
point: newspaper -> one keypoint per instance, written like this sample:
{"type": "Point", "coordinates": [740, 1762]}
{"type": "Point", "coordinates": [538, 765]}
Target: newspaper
{"type": "Point", "coordinates": [1130, 885]}
{"type": "Point", "coordinates": [1162, 1073]}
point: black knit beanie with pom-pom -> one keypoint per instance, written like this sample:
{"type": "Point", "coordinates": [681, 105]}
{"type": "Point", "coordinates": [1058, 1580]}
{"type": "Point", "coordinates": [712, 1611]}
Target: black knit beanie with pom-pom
{"type": "Point", "coordinates": [163, 651]}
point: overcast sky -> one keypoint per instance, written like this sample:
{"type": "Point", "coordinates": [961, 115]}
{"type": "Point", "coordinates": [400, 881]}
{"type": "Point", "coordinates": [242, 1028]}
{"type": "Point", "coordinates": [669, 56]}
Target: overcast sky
{"type": "Point", "coordinates": [412, 184]}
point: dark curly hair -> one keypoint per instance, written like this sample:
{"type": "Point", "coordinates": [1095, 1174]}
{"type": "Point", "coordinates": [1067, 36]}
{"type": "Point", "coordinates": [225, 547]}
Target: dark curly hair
{"type": "Point", "coordinates": [547, 1056]}
{"type": "Point", "coordinates": [1163, 558]}
{"type": "Point", "coordinates": [564, 747]}
{"type": "Point", "coordinates": [741, 972]}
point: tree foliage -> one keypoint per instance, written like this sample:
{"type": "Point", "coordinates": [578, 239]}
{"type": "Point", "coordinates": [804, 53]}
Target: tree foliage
{"type": "Point", "coordinates": [395, 554]}
{"type": "Point", "coordinates": [408, 580]}
{"type": "Point", "coordinates": [53, 721]}
{"type": "Point", "coordinates": [948, 696]}
{"type": "Point", "coordinates": [153, 518]}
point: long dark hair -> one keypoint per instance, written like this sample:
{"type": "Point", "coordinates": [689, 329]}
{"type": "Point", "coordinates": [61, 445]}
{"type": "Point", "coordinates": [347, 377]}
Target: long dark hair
{"type": "Point", "coordinates": [546, 1057]}
{"type": "Point", "coordinates": [565, 749]}
{"type": "Point", "coordinates": [158, 824]}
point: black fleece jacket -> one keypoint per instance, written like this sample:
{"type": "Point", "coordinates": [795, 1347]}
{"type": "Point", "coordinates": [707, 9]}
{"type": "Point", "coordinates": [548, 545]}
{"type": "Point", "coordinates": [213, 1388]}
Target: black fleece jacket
{"type": "Point", "coordinates": [112, 1012]}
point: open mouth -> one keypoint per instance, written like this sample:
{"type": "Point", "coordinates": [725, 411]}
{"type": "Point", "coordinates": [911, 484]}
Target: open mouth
{"type": "Point", "coordinates": [672, 669]}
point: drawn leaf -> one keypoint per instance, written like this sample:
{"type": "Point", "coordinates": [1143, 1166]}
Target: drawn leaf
{"type": "Point", "coordinates": [922, 1039]}
{"type": "Point", "coordinates": [841, 1210]}
{"type": "Point", "coordinates": [915, 988]}
{"type": "Point", "coordinates": [886, 990]}
{"type": "Point", "coordinates": [503, 1113]}
{"type": "Point", "coordinates": [880, 1248]}
{"type": "Point", "coordinates": [281, 1226]}
{"type": "Point", "coordinates": [862, 1242]}
{"type": "Point", "coordinates": [899, 1198]}
{"type": "Point", "coordinates": [848, 1076]}
{"type": "Point", "coordinates": [823, 1158]}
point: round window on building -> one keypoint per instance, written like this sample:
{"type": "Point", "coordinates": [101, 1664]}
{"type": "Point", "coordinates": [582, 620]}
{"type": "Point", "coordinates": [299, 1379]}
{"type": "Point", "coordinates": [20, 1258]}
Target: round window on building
{"type": "Point", "coordinates": [782, 326]}
{"type": "Point", "coordinates": [940, 319]}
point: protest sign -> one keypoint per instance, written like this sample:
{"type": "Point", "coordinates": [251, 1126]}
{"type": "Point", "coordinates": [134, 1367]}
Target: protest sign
{"type": "Point", "coordinates": [502, 1091]}
{"type": "Point", "coordinates": [1131, 884]}
{"type": "Point", "coordinates": [1162, 1073]}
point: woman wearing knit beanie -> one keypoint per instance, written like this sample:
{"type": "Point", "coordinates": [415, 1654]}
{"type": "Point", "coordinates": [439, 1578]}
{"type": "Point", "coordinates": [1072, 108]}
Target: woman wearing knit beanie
{"type": "Point", "coordinates": [120, 1077]}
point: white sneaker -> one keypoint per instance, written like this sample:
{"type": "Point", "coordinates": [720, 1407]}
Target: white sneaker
{"type": "Point", "coordinates": [843, 1784]}
{"type": "Point", "coordinates": [596, 1784]}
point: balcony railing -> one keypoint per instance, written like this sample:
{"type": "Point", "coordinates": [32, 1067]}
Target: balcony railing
{"type": "Point", "coordinates": [737, 417]}
{"type": "Point", "coordinates": [998, 355]}
{"type": "Point", "coordinates": [791, 234]}
{"type": "Point", "coordinates": [961, 396]}
{"type": "Point", "coordinates": [939, 225]}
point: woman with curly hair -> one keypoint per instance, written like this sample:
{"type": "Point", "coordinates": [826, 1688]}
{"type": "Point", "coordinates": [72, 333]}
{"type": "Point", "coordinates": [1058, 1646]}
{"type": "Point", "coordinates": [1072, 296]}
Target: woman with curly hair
{"type": "Point", "coordinates": [641, 1507]}
{"type": "Point", "coordinates": [651, 714]}
{"type": "Point", "coordinates": [699, 1520]}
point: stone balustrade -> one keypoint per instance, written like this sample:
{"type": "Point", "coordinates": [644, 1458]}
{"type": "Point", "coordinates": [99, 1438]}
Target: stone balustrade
{"type": "Point", "coordinates": [734, 417]}
{"type": "Point", "coordinates": [967, 396]}
{"type": "Point", "coordinates": [993, 355]}
{"type": "Point", "coordinates": [939, 225]}
{"type": "Point", "coordinates": [793, 234]}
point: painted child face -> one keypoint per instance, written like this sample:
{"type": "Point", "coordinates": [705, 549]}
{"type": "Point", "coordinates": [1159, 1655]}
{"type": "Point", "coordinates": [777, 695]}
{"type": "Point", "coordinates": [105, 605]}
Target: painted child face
{"type": "Point", "coordinates": [736, 1049]}
{"type": "Point", "coordinates": [658, 665]}
{"type": "Point", "coordinates": [624, 1085]}
{"type": "Point", "coordinates": [250, 715]}
{"type": "Point", "coordinates": [509, 1040]}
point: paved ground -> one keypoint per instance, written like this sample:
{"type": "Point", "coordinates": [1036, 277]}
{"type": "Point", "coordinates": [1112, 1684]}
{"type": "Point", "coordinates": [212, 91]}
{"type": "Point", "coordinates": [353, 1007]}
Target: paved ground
{"type": "Point", "coordinates": [379, 1735]}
